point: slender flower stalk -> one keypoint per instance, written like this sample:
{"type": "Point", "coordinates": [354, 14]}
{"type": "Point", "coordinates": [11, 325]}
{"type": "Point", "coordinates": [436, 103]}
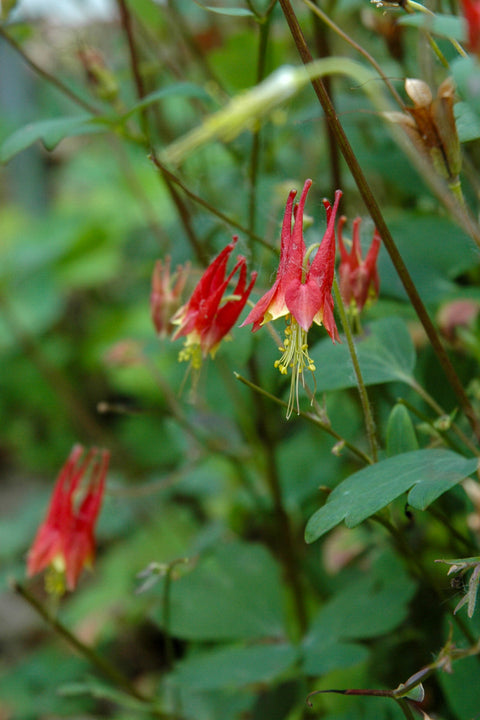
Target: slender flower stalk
{"type": "Point", "coordinates": [302, 291]}
{"type": "Point", "coordinates": [209, 315]}
{"type": "Point", "coordinates": [64, 542]}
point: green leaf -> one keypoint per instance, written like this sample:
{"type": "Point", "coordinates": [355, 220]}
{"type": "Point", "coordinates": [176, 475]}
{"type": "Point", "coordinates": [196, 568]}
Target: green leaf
{"type": "Point", "coordinates": [461, 686]}
{"type": "Point", "coordinates": [233, 593]}
{"type": "Point", "coordinates": [449, 250]}
{"type": "Point", "coordinates": [234, 667]}
{"type": "Point", "coordinates": [385, 353]}
{"type": "Point", "coordinates": [369, 607]}
{"type": "Point", "coordinates": [429, 473]}
{"type": "Point", "coordinates": [447, 26]}
{"type": "Point", "coordinates": [401, 437]}
{"type": "Point", "coordinates": [183, 89]}
{"type": "Point", "coordinates": [100, 691]}
{"type": "Point", "coordinates": [50, 132]}
{"type": "Point", "coordinates": [465, 72]}
{"type": "Point", "coordinates": [468, 123]}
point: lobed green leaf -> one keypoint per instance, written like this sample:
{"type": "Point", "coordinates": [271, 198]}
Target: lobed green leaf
{"type": "Point", "coordinates": [426, 473]}
{"type": "Point", "coordinates": [385, 353]}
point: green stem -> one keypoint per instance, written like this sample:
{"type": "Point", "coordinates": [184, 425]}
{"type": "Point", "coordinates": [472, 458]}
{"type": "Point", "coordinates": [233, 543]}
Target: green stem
{"type": "Point", "coordinates": [264, 29]}
{"type": "Point", "coordinates": [378, 219]}
{"type": "Point", "coordinates": [405, 708]}
{"type": "Point", "coordinates": [126, 21]}
{"type": "Point", "coordinates": [322, 45]}
{"type": "Point", "coordinates": [203, 203]}
{"type": "Point", "coordinates": [103, 665]}
{"type": "Point", "coordinates": [64, 89]}
{"type": "Point", "coordinates": [425, 419]}
{"type": "Point", "coordinates": [423, 573]}
{"type": "Point", "coordinates": [285, 539]}
{"type": "Point", "coordinates": [440, 411]}
{"type": "Point", "coordinates": [325, 18]}
{"type": "Point", "coordinates": [362, 390]}
{"type": "Point", "coordinates": [313, 419]}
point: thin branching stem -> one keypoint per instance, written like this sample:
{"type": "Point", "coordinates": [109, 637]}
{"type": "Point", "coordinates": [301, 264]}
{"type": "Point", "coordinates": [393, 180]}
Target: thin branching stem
{"type": "Point", "coordinates": [431, 402]}
{"type": "Point", "coordinates": [61, 86]}
{"type": "Point", "coordinates": [210, 208]}
{"type": "Point", "coordinates": [263, 29]}
{"type": "Point", "coordinates": [311, 417]}
{"type": "Point", "coordinates": [104, 666]}
{"type": "Point", "coordinates": [362, 390]}
{"type": "Point", "coordinates": [377, 217]}
{"type": "Point", "coordinates": [285, 538]}
{"type": "Point", "coordinates": [341, 33]}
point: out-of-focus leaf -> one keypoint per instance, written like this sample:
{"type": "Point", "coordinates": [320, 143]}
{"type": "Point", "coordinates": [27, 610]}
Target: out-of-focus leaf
{"type": "Point", "coordinates": [401, 436]}
{"type": "Point", "coordinates": [468, 123]}
{"type": "Point", "coordinates": [369, 607]}
{"type": "Point", "coordinates": [100, 691]}
{"type": "Point", "coordinates": [184, 89]}
{"type": "Point", "coordinates": [465, 72]}
{"type": "Point", "coordinates": [235, 666]}
{"type": "Point", "coordinates": [429, 473]}
{"type": "Point", "coordinates": [461, 686]}
{"type": "Point", "coordinates": [385, 353]}
{"type": "Point", "coordinates": [448, 26]}
{"type": "Point", "coordinates": [38, 677]}
{"type": "Point", "coordinates": [233, 593]}
{"type": "Point", "coordinates": [419, 236]}
{"type": "Point", "coordinates": [50, 132]}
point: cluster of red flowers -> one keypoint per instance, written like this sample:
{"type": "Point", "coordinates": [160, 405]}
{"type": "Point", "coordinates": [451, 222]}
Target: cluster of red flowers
{"type": "Point", "coordinates": [301, 293]}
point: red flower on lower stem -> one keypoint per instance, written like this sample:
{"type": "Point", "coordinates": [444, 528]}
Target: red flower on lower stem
{"type": "Point", "coordinates": [358, 278]}
{"type": "Point", "coordinates": [302, 291]}
{"type": "Point", "coordinates": [210, 314]}
{"type": "Point", "coordinates": [65, 541]}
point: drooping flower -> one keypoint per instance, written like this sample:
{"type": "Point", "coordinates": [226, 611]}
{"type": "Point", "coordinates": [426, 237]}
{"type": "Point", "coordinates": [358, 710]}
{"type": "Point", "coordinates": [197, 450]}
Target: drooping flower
{"type": "Point", "coordinates": [302, 291]}
{"type": "Point", "coordinates": [166, 295]}
{"type": "Point", "coordinates": [64, 542]}
{"type": "Point", "coordinates": [471, 12]}
{"type": "Point", "coordinates": [210, 314]}
{"type": "Point", "coordinates": [359, 280]}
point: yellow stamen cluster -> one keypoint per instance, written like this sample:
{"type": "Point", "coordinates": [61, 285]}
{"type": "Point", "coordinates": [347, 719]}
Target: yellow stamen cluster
{"type": "Point", "coordinates": [192, 354]}
{"type": "Point", "coordinates": [295, 356]}
{"type": "Point", "coordinates": [55, 584]}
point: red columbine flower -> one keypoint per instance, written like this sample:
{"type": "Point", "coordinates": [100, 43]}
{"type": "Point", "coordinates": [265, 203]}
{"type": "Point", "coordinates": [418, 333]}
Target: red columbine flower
{"type": "Point", "coordinates": [302, 291]}
{"type": "Point", "coordinates": [64, 541]}
{"type": "Point", "coordinates": [209, 316]}
{"type": "Point", "coordinates": [358, 278]}
{"type": "Point", "coordinates": [471, 12]}
{"type": "Point", "coordinates": [166, 294]}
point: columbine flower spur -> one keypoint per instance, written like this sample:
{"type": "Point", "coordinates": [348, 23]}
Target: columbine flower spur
{"type": "Point", "coordinates": [302, 291]}
{"type": "Point", "coordinates": [65, 542]}
{"type": "Point", "coordinates": [209, 315]}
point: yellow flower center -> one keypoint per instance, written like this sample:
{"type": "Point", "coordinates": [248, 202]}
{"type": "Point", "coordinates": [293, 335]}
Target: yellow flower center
{"type": "Point", "coordinates": [192, 354]}
{"type": "Point", "coordinates": [295, 356]}
{"type": "Point", "coordinates": [55, 584]}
